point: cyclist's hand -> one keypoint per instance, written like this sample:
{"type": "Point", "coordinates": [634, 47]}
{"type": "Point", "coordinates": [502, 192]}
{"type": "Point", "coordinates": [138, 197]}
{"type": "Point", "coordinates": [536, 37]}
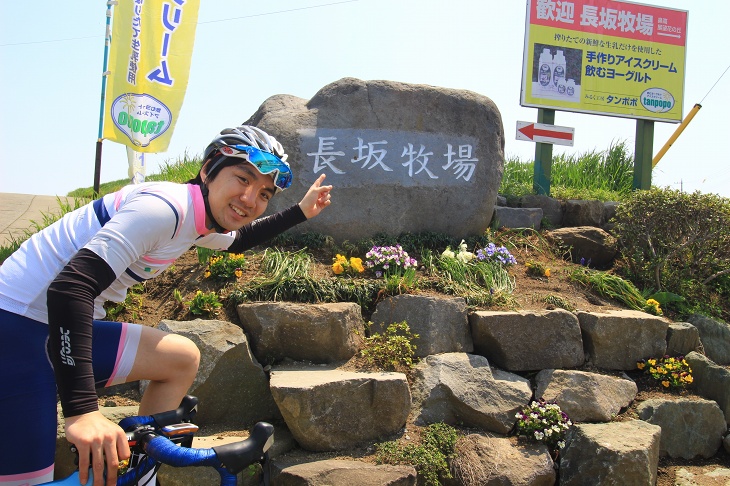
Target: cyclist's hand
{"type": "Point", "coordinates": [99, 440]}
{"type": "Point", "coordinates": [316, 199]}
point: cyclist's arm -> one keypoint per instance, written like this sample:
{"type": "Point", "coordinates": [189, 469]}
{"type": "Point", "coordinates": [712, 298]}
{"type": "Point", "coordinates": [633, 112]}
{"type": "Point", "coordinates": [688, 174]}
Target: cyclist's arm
{"type": "Point", "coordinates": [70, 300]}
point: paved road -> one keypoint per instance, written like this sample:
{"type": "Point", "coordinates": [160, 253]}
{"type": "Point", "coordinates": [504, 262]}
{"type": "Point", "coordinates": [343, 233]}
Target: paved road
{"type": "Point", "coordinates": [18, 211]}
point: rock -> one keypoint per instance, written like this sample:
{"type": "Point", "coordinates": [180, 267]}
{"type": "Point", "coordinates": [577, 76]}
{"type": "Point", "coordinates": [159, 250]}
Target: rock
{"type": "Point", "coordinates": [711, 381]}
{"type": "Point", "coordinates": [319, 333]}
{"type": "Point", "coordinates": [618, 339]}
{"type": "Point", "coordinates": [329, 410]}
{"type": "Point", "coordinates": [440, 322]}
{"type": "Point", "coordinates": [403, 157]}
{"type": "Point", "coordinates": [583, 213]}
{"type": "Point", "coordinates": [462, 388]}
{"type": "Point", "coordinates": [552, 209]}
{"type": "Point", "coordinates": [690, 428]}
{"type": "Point", "coordinates": [494, 461]}
{"type": "Point", "coordinates": [587, 243]}
{"type": "Point", "coordinates": [338, 471]}
{"type": "Point", "coordinates": [584, 396]}
{"type": "Point", "coordinates": [526, 340]}
{"type": "Point", "coordinates": [517, 217]}
{"type": "Point", "coordinates": [609, 211]}
{"type": "Point", "coordinates": [612, 453]}
{"type": "Point", "coordinates": [231, 385]}
{"type": "Point", "coordinates": [682, 338]}
{"type": "Point", "coordinates": [715, 338]}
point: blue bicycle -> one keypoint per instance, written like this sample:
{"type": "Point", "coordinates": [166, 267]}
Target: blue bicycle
{"type": "Point", "coordinates": [166, 438]}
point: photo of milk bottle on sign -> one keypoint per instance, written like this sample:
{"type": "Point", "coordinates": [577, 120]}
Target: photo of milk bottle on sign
{"type": "Point", "coordinates": [556, 72]}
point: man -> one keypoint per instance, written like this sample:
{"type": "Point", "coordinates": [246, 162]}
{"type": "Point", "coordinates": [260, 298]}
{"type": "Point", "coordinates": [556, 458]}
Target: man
{"type": "Point", "coordinates": [52, 291]}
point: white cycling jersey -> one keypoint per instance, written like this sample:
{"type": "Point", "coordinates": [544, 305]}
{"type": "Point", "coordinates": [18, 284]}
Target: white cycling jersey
{"type": "Point", "coordinates": [139, 231]}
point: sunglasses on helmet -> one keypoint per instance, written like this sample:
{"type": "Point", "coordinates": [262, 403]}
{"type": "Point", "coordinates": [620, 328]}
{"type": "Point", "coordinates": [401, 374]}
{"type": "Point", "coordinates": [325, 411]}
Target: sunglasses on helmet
{"type": "Point", "coordinates": [265, 162]}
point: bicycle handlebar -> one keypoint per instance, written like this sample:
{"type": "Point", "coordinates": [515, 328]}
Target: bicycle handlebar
{"type": "Point", "coordinates": [160, 439]}
{"type": "Point", "coordinates": [184, 413]}
{"type": "Point", "coordinates": [228, 459]}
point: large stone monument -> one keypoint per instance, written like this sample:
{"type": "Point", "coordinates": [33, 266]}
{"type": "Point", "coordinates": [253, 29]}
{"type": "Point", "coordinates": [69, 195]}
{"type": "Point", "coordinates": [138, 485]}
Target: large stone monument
{"type": "Point", "coordinates": [401, 157]}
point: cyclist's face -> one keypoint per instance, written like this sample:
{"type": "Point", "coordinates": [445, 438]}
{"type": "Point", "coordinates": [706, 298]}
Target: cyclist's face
{"type": "Point", "coordinates": [239, 194]}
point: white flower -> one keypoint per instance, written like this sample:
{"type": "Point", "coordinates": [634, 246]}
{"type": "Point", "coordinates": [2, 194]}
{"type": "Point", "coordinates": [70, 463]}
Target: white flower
{"type": "Point", "coordinates": [448, 253]}
{"type": "Point", "coordinates": [539, 435]}
{"type": "Point", "coordinates": [561, 444]}
{"type": "Point", "coordinates": [462, 247]}
{"type": "Point", "coordinates": [465, 256]}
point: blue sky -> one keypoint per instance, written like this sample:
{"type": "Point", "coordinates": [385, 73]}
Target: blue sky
{"type": "Point", "coordinates": [51, 56]}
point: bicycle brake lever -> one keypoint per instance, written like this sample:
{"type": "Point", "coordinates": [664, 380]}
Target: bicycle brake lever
{"type": "Point", "coordinates": [237, 456]}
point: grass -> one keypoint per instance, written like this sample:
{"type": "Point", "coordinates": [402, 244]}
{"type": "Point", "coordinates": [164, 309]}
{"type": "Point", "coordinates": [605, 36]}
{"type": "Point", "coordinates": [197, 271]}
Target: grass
{"type": "Point", "coordinates": [605, 176]}
{"type": "Point", "coordinates": [181, 170]}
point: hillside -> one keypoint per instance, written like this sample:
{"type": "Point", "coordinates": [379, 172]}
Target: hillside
{"type": "Point", "coordinates": [157, 301]}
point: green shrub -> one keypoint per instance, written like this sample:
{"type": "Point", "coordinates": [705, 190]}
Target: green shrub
{"type": "Point", "coordinates": [204, 303]}
{"type": "Point", "coordinates": [677, 242]}
{"type": "Point", "coordinates": [430, 457]}
{"type": "Point", "coordinates": [391, 350]}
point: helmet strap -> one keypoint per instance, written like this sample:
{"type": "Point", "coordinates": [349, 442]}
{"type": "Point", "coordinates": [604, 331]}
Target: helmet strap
{"type": "Point", "coordinates": [204, 191]}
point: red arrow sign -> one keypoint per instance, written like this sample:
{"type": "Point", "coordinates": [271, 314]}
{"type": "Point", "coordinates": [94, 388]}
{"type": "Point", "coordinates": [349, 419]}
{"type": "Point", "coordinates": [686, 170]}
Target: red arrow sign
{"type": "Point", "coordinates": [540, 132]}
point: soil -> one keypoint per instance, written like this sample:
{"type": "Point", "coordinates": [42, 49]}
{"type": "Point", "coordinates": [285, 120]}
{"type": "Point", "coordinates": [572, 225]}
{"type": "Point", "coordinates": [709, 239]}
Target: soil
{"type": "Point", "coordinates": [155, 301]}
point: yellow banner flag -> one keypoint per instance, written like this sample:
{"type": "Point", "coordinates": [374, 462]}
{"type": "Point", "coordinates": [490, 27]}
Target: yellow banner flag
{"type": "Point", "coordinates": [149, 64]}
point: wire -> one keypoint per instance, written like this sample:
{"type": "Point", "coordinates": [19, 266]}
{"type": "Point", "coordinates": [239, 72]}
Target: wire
{"type": "Point", "coordinates": [53, 40]}
{"type": "Point", "coordinates": [718, 80]}
{"type": "Point", "coordinates": [277, 12]}
{"type": "Point", "coordinates": [199, 23]}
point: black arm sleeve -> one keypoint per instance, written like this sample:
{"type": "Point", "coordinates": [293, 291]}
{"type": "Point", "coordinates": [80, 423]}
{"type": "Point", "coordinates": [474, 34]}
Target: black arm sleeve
{"type": "Point", "coordinates": [70, 301]}
{"type": "Point", "coordinates": [264, 229]}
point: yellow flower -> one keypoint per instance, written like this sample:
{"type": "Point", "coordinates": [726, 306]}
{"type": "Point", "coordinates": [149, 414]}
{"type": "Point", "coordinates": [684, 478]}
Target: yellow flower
{"type": "Point", "coordinates": [340, 259]}
{"type": "Point", "coordinates": [688, 379]}
{"type": "Point", "coordinates": [356, 263]}
{"type": "Point", "coordinates": [207, 273]}
{"type": "Point", "coordinates": [641, 365]}
{"type": "Point", "coordinates": [665, 384]}
{"type": "Point", "coordinates": [337, 268]}
{"type": "Point", "coordinates": [547, 272]}
{"type": "Point", "coordinates": [238, 272]}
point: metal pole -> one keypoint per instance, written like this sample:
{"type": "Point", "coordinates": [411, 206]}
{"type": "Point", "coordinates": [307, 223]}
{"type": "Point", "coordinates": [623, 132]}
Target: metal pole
{"type": "Point", "coordinates": [676, 134]}
{"type": "Point", "coordinates": [105, 73]}
{"type": "Point", "coordinates": [543, 156]}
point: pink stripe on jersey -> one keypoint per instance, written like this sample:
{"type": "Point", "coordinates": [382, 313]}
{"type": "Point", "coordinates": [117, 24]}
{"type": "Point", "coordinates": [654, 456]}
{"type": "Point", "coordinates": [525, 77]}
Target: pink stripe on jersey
{"type": "Point", "coordinates": [199, 209]}
{"type": "Point", "coordinates": [28, 476]}
{"type": "Point", "coordinates": [155, 260]}
{"type": "Point", "coordinates": [117, 200]}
